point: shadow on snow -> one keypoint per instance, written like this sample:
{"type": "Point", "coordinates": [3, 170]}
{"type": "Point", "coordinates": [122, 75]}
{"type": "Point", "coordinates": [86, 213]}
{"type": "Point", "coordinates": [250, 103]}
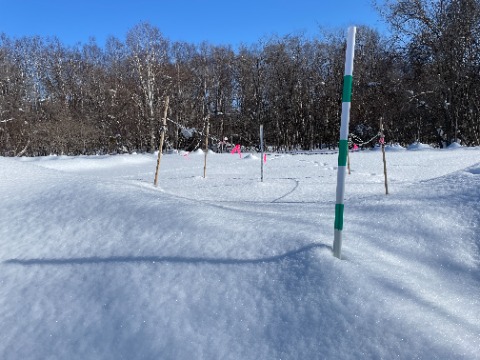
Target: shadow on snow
{"type": "Point", "coordinates": [164, 259]}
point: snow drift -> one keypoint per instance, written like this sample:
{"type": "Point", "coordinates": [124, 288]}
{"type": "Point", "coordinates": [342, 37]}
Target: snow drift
{"type": "Point", "coordinates": [96, 263]}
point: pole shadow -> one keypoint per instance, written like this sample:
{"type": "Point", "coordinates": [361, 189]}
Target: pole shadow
{"type": "Point", "coordinates": [162, 259]}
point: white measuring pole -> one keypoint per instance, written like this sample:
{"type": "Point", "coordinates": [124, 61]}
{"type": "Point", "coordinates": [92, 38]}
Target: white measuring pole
{"type": "Point", "coordinates": [261, 152]}
{"type": "Point", "coordinates": [343, 143]}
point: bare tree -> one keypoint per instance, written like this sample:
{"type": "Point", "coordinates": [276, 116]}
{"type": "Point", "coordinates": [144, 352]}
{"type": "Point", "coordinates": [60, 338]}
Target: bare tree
{"type": "Point", "coordinates": [149, 55]}
{"type": "Point", "coordinates": [441, 39]}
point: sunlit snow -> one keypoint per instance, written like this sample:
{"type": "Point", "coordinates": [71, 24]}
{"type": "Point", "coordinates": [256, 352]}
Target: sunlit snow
{"type": "Point", "coordinates": [97, 263]}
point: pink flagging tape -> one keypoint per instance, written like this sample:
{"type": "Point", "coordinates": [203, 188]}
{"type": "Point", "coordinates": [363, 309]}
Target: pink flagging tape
{"type": "Point", "coordinates": [236, 149]}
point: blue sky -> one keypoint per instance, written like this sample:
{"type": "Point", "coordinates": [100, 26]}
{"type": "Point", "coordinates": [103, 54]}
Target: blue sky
{"type": "Point", "coordinates": [193, 21]}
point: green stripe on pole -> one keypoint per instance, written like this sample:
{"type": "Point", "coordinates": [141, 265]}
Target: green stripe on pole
{"type": "Point", "coordinates": [342, 152]}
{"type": "Point", "coordinates": [347, 88]}
{"type": "Point", "coordinates": [339, 216]}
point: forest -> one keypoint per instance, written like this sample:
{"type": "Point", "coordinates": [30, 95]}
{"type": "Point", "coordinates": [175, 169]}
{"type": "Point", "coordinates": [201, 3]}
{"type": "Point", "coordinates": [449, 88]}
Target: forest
{"type": "Point", "coordinates": [421, 79]}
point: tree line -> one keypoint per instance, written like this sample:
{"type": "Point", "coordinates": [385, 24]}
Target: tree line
{"type": "Point", "coordinates": [422, 80]}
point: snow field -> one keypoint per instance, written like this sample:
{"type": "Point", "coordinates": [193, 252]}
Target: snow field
{"type": "Point", "coordinates": [97, 263]}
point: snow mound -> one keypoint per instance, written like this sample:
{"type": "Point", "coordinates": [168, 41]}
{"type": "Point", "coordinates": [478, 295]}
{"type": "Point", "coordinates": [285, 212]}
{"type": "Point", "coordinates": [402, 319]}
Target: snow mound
{"type": "Point", "coordinates": [201, 152]}
{"type": "Point", "coordinates": [394, 147]}
{"type": "Point", "coordinates": [475, 170]}
{"type": "Point", "coordinates": [419, 146]}
{"type": "Point", "coordinates": [454, 145]}
{"type": "Point", "coordinates": [250, 157]}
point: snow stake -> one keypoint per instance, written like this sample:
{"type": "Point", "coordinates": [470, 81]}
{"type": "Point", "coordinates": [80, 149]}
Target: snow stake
{"type": "Point", "coordinates": [162, 138]}
{"type": "Point", "coordinates": [261, 151]}
{"type": "Point", "coordinates": [382, 144]}
{"type": "Point", "coordinates": [206, 147]}
{"type": "Point", "coordinates": [343, 143]}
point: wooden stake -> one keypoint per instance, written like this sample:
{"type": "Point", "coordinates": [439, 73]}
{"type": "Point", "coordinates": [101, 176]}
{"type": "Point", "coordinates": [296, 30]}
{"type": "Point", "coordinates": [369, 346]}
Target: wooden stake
{"type": "Point", "coordinates": [162, 138]}
{"type": "Point", "coordinates": [261, 152]}
{"type": "Point", "coordinates": [384, 158]}
{"type": "Point", "coordinates": [206, 147]}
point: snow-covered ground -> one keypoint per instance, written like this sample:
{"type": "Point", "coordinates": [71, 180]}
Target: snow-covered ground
{"type": "Point", "coordinates": [97, 263]}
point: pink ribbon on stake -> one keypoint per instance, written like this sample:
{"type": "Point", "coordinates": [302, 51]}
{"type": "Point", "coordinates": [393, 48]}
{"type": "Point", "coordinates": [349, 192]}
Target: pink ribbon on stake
{"type": "Point", "coordinates": [236, 149]}
{"type": "Point", "coordinates": [265, 158]}
{"type": "Point", "coordinates": [382, 140]}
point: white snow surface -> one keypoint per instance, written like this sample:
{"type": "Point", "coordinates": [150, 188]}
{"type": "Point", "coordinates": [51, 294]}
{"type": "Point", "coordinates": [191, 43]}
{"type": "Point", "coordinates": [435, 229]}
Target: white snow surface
{"type": "Point", "coordinates": [97, 263]}
{"type": "Point", "coordinates": [419, 146]}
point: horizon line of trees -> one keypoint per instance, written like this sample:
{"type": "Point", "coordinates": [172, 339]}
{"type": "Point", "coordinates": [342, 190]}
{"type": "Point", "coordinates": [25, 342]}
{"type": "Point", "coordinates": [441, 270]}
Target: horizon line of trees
{"type": "Point", "coordinates": [423, 81]}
